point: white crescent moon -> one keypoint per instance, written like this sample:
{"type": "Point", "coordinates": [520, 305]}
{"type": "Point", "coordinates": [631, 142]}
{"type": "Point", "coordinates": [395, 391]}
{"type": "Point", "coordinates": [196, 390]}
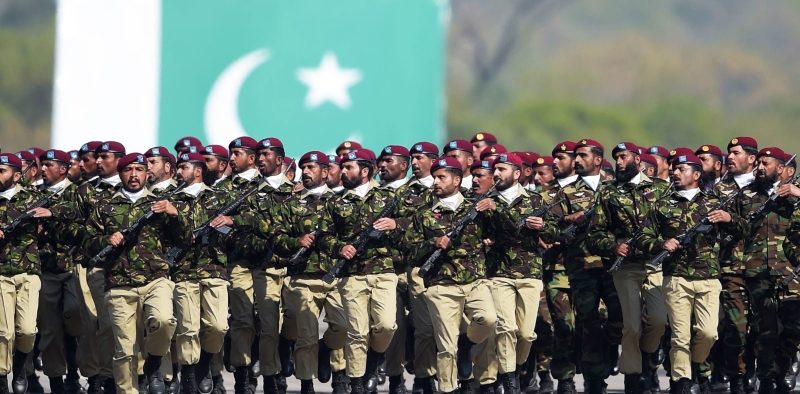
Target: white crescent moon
{"type": "Point", "coordinates": [221, 114]}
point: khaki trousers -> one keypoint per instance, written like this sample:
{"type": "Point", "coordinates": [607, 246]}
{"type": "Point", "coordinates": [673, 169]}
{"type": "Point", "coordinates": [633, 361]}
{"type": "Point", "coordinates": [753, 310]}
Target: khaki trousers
{"type": "Point", "coordinates": [59, 315]}
{"type": "Point", "coordinates": [687, 299]}
{"type": "Point", "coordinates": [425, 358]}
{"type": "Point", "coordinates": [242, 325]}
{"type": "Point", "coordinates": [134, 310]}
{"type": "Point", "coordinates": [370, 305]}
{"type": "Point", "coordinates": [448, 304]}
{"type": "Point", "coordinates": [267, 291]}
{"type": "Point", "coordinates": [517, 305]}
{"type": "Point", "coordinates": [103, 334]}
{"type": "Point", "coordinates": [304, 300]}
{"type": "Point", "coordinates": [20, 301]}
{"type": "Point", "coordinates": [396, 353]}
{"type": "Point", "coordinates": [644, 315]}
{"type": "Point", "coordinates": [201, 311]}
{"type": "Point", "coordinates": [87, 355]}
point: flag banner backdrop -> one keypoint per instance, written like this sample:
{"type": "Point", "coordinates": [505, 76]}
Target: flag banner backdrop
{"type": "Point", "coordinates": [310, 72]}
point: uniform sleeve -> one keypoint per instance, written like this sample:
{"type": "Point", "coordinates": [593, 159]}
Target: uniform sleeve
{"type": "Point", "coordinates": [651, 240]}
{"type": "Point", "coordinates": [419, 237]}
{"type": "Point", "coordinates": [284, 244]}
{"type": "Point", "coordinates": [601, 241]}
{"type": "Point", "coordinates": [328, 240]}
{"type": "Point", "coordinates": [95, 234]}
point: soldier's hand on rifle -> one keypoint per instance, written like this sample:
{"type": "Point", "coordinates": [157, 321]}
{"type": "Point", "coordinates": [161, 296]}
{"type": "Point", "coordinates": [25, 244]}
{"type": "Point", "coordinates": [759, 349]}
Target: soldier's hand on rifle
{"type": "Point", "coordinates": [671, 245]}
{"type": "Point", "coordinates": [576, 217]}
{"type": "Point", "coordinates": [719, 216]}
{"type": "Point", "coordinates": [41, 212]}
{"type": "Point", "coordinates": [220, 221]}
{"type": "Point", "coordinates": [534, 223]}
{"type": "Point", "coordinates": [385, 224]}
{"type": "Point", "coordinates": [442, 242]}
{"type": "Point", "coordinates": [164, 206]}
{"type": "Point", "coordinates": [622, 249]}
{"type": "Point", "coordinates": [487, 204]}
{"type": "Point", "coordinates": [488, 242]}
{"type": "Point", "coordinates": [2, 234]}
{"type": "Point", "coordinates": [348, 252]}
{"type": "Point", "coordinates": [116, 239]}
{"type": "Point", "coordinates": [306, 241]}
{"type": "Point", "coordinates": [788, 190]}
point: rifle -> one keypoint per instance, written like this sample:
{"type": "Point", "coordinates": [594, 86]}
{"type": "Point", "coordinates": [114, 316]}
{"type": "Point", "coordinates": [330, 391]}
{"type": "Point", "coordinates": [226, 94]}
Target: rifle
{"type": "Point", "coordinates": [132, 231]}
{"type": "Point", "coordinates": [539, 212]}
{"type": "Point", "coordinates": [786, 280]}
{"type": "Point", "coordinates": [568, 234]}
{"type": "Point", "coordinates": [43, 202]}
{"type": "Point", "coordinates": [361, 242]}
{"type": "Point", "coordinates": [701, 227]}
{"type": "Point", "coordinates": [302, 254]}
{"type": "Point", "coordinates": [470, 216]}
{"type": "Point", "coordinates": [637, 235]}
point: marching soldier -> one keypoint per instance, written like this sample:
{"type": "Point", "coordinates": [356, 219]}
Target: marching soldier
{"type": "Point", "coordinates": [713, 161]}
{"type": "Point", "coordinates": [480, 141]}
{"type": "Point", "coordinates": [622, 208]}
{"type": "Point", "coordinates": [661, 156]}
{"type": "Point", "coordinates": [139, 295]}
{"type": "Point", "coordinates": [160, 170]}
{"type": "Point", "coordinates": [690, 282]}
{"type": "Point", "coordinates": [461, 150]}
{"type": "Point", "coordinates": [74, 169]}
{"type": "Point", "coordinates": [216, 157]}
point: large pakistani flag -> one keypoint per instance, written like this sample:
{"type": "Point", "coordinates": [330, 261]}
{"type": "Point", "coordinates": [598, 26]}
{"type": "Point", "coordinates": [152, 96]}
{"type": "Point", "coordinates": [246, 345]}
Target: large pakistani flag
{"type": "Point", "coordinates": [311, 72]}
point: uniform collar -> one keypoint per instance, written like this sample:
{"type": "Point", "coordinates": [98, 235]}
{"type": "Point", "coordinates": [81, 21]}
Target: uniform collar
{"type": "Point", "coordinates": [248, 175]}
{"type": "Point", "coordinates": [592, 180]}
{"type": "Point", "coordinates": [134, 197]}
{"type": "Point", "coordinates": [568, 180]}
{"type": "Point", "coordinates": [688, 194]}
{"type": "Point", "coordinates": [220, 179]}
{"type": "Point", "coordinates": [466, 182]}
{"type": "Point", "coordinates": [394, 185]}
{"type": "Point", "coordinates": [163, 185]}
{"type": "Point", "coordinates": [425, 181]}
{"type": "Point", "coordinates": [113, 180]}
{"type": "Point", "coordinates": [743, 180]}
{"type": "Point", "coordinates": [195, 189]}
{"type": "Point", "coordinates": [512, 193]}
{"type": "Point", "coordinates": [11, 192]}
{"type": "Point", "coordinates": [317, 191]}
{"type": "Point", "coordinates": [58, 187]}
{"type": "Point", "coordinates": [450, 203]}
{"type": "Point", "coordinates": [360, 191]}
{"type": "Point", "coordinates": [276, 181]}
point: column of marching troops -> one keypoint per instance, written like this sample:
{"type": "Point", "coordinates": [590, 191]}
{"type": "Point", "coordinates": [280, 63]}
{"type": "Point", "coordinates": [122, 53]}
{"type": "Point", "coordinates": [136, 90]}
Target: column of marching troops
{"type": "Point", "coordinates": [484, 271]}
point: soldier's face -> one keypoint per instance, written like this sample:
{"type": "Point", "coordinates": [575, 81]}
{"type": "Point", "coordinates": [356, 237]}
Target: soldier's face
{"type": "Point", "coordinates": [215, 165]}
{"type": "Point", "coordinates": [392, 168]}
{"type": "Point", "coordinates": [739, 160]}
{"type": "Point", "coordinates": [334, 176]}
{"type": "Point", "coordinates": [353, 175]}
{"type": "Point", "coordinates": [685, 176]}
{"type": "Point", "coordinates": [241, 160]}
{"type": "Point", "coordinates": [157, 170]}
{"type": "Point", "coordinates": [107, 164]}
{"type": "Point", "coordinates": [269, 162]}
{"type": "Point", "coordinates": [648, 170]}
{"type": "Point", "coordinates": [586, 162]}
{"type": "Point", "coordinates": [464, 158]}
{"type": "Point", "coordinates": [314, 175]}
{"type": "Point", "coordinates": [477, 148]}
{"type": "Point", "coordinates": [134, 177]}
{"type": "Point", "coordinates": [31, 174]}
{"type": "Point", "coordinates": [542, 175]}
{"type": "Point", "coordinates": [710, 162]}
{"type": "Point", "coordinates": [445, 183]}
{"type": "Point", "coordinates": [189, 173]}
{"type": "Point", "coordinates": [507, 174]}
{"type": "Point", "coordinates": [788, 173]}
{"type": "Point", "coordinates": [481, 181]}
{"type": "Point", "coordinates": [662, 164]}
{"type": "Point", "coordinates": [9, 176]}
{"type": "Point", "coordinates": [769, 169]}
{"type": "Point", "coordinates": [88, 165]}
{"type": "Point", "coordinates": [421, 165]}
{"type": "Point", "coordinates": [74, 171]}
{"type": "Point", "coordinates": [627, 165]}
{"type": "Point", "coordinates": [563, 164]}
{"type": "Point", "coordinates": [53, 172]}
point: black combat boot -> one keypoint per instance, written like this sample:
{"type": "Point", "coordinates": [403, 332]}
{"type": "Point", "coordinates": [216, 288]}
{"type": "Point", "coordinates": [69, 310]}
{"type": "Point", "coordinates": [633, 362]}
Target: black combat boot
{"type": "Point", "coordinates": [56, 385]}
{"type": "Point", "coordinates": [370, 381]}
{"type": "Point", "coordinates": [341, 383]}
{"type": "Point", "coordinates": [270, 385]}
{"type": "Point", "coordinates": [546, 385]}
{"type": "Point", "coordinates": [397, 385]}
{"type": "Point", "coordinates": [766, 386]}
{"type": "Point", "coordinates": [3, 384]}
{"type": "Point", "coordinates": [241, 380]}
{"type": "Point", "coordinates": [633, 383]}
{"type": "Point", "coordinates": [509, 382]}
{"type": "Point", "coordinates": [307, 386]}
{"type": "Point", "coordinates": [219, 384]}
{"type": "Point", "coordinates": [566, 386]}
{"type": "Point", "coordinates": [285, 350]}
{"type": "Point", "coordinates": [202, 373]}
{"type": "Point", "coordinates": [357, 386]}
{"type": "Point", "coordinates": [597, 386]}
{"type": "Point", "coordinates": [189, 379]}
{"type": "Point", "coordinates": [323, 362]}
{"type": "Point", "coordinates": [155, 380]}
{"type": "Point", "coordinates": [737, 384]}
{"type": "Point", "coordinates": [19, 385]}
{"type": "Point", "coordinates": [464, 357]}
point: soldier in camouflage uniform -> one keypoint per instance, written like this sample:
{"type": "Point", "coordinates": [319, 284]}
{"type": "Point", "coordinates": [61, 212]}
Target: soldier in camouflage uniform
{"type": "Point", "coordinates": [514, 267]}
{"type": "Point", "coordinates": [589, 280]}
{"type": "Point", "coordinates": [60, 298]}
{"type": "Point", "coordinates": [306, 295]}
{"type": "Point", "coordinates": [765, 262]}
{"type": "Point", "coordinates": [368, 283]}
{"type": "Point", "coordinates": [790, 302]}
{"type": "Point", "coordinates": [461, 150]}
{"type": "Point", "coordinates": [480, 141]}
{"type": "Point", "coordinates": [201, 280]}
{"type": "Point", "coordinates": [139, 295]}
{"type": "Point", "coordinates": [690, 274]}
{"type": "Point", "coordinates": [457, 283]}
{"type": "Point", "coordinates": [19, 275]}
{"type": "Point", "coordinates": [74, 168]}
{"type": "Point", "coordinates": [160, 170]}
{"type": "Point", "coordinates": [216, 157]}
{"type": "Point", "coordinates": [622, 207]}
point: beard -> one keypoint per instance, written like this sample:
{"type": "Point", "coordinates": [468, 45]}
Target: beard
{"type": "Point", "coordinates": [627, 173]}
{"type": "Point", "coordinates": [708, 177]}
{"type": "Point", "coordinates": [350, 183]}
{"type": "Point", "coordinates": [763, 181]}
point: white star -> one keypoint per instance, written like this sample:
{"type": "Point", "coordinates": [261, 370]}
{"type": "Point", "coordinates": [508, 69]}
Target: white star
{"type": "Point", "coordinates": [328, 82]}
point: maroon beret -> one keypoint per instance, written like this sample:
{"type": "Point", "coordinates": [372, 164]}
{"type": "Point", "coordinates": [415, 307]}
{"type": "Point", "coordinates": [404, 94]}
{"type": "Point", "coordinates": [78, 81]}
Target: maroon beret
{"type": "Point", "coordinates": [462, 145]}
{"type": "Point", "coordinates": [544, 161]}
{"type": "Point", "coordinates": [348, 145]}
{"type": "Point", "coordinates": [744, 142]}
{"type": "Point", "coordinates": [131, 158]}
{"type": "Point", "coordinates": [425, 148]}
{"type": "Point", "coordinates": [775, 152]}
{"type": "Point", "coordinates": [10, 159]}
{"type": "Point", "coordinates": [446, 162]}
{"type": "Point", "coordinates": [679, 152]}
{"type": "Point", "coordinates": [73, 155]}
{"type": "Point", "coordinates": [709, 149]}
{"type": "Point", "coordinates": [688, 158]}
{"type": "Point", "coordinates": [590, 143]}
{"type": "Point", "coordinates": [55, 155]}
{"type": "Point", "coordinates": [185, 143]}
{"type": "Point", "coordinates": [191, 157]}
{"type": "Point", "coordinates": [362, 155]}
{"type": "Point", "coordinates": [649, 159]}
{"type": "Point", "coordinates": [270, 142]}
{"type": "Point", "coordinates": [658, 151]}
{"type": "Point", "coordinates": [315, 156]}
{"type": "Point", "coordinates": [25, 155]}
{"type": "Point", "coordinates": [396, 150]}
{"type": "Point", "coordinates": [606, 165]}
{"type": "Point", "coordinates": [492, 151]}
{"type": "Point", "coordinates": [110, 146]}
{"type": "Point", "coordinates": [216, 150]}
{"type": "Point", "coordinates": [528, 158]}
{"type": "Point", "coordinates": [485, 164]}
{"type": "Point", "coordinates": [333, 159]}
{"type": "Point", "coordinates": [36, 151]}
{"type": "Point", "coordinates": [160, 151]}
{"type": "Point", "coordinates": [508, 158]}
{"type": "Point", "coordinates": [288, 161]}
{"type": "Point", "coordinates": [628, 146]}
{"type": "Point", "coordinates": [564, 147]}
{"type": "Point", "coordinates": [244, 142]}
{"type": "Point", "coordinates": [88, 147]}
{"type": "Point", "coordinates": [489, 138]}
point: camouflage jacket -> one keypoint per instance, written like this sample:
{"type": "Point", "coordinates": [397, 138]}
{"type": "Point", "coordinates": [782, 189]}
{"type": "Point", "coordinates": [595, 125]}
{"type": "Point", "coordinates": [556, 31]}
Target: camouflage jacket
{"type": "Point", "coordinates": [672, 216]}
{"type": "Point", "coordinates": [234, 187]}
{"type": "Point", "coordinates": [90, 193]}
{"type": "Point", "coordinates": [254, 225]}
{"type": "Point", "coordinates": [61, 235]}
{"type": "Point", "coordinates": [300, 215]}
{"type": "Point", "coordinates": [412, 198]}
{"type": "Point", "coordinates": [553, 257]}
{"type": "Point", "coordinates": [763, 242]}
{"type": "Point", "coordinates": [158, 192]}
{"type": "Point", "coordinates": [346, 217]}
{"type": "Point", "coordinates": [204, 258]}
{"type": "Point", "coordinates": [515, 251]}
{"type": "Point", "coordinates": [621, 212]}
{"type": "Point", "coordinates": [580, 197]}
{"type": "Point", "coordinates": [464, 261]}
{"type": "Point", "coordinates": [731, 254]}
{"type": "Point", "coordinates": [791, 245]}
{"type": "Point", "coordinates": [19, 251]}
{"type": "Point", "coordinates": [142, 261]}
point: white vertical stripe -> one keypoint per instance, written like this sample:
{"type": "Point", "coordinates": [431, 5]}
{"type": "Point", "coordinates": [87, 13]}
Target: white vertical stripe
{"type": "Point", "coordinates": [107, 72]}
